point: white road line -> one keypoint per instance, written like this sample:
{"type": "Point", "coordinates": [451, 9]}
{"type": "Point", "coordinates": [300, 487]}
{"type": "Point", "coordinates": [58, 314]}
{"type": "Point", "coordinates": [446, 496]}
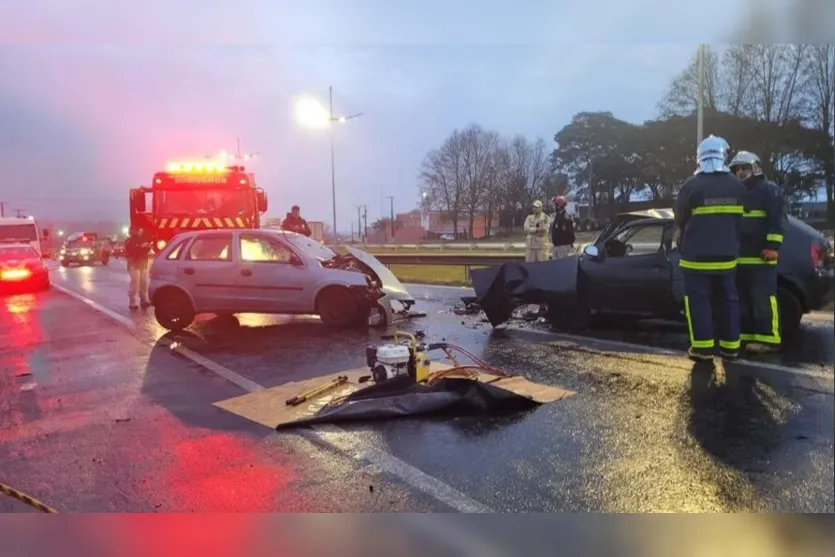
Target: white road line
{"type": "Point", "coordinates": [384, 461]}
{"type": "Point", "coordinates": [669, 352]}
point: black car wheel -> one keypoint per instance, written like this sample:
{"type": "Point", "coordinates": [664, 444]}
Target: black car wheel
{"type": "Point", "coordinates": [173, 310]}
{"type": "Point", "coordinates": [791, 313]}
{"type": "Point", "coordinates": [339, 308]}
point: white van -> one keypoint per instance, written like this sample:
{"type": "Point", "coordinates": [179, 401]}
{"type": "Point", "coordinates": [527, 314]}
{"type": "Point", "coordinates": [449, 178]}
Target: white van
{"type": "Point", "coordinates": [15, 230]}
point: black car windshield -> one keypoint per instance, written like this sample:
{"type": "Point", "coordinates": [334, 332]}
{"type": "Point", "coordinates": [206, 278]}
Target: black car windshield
{"type": "Point", "coordinates": [310, 247]}
{"type": "Point", "coordinates": [11, 253]}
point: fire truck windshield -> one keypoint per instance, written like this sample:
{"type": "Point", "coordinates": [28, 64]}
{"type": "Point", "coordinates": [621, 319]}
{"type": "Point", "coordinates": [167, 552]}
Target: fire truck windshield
{"type": "Point", "coordinates": [217, 202]}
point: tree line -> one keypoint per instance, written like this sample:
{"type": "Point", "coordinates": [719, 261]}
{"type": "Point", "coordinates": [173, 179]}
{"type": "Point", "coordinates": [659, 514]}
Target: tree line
{"type": "Point", "coordinates": [774, 100]}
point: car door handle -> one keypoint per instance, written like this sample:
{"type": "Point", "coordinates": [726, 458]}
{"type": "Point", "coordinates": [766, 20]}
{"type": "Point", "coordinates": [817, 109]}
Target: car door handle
{"type": "Point", "coordinates": [189, 270]}
{"type": "Point", "coordinates": [246, 272]}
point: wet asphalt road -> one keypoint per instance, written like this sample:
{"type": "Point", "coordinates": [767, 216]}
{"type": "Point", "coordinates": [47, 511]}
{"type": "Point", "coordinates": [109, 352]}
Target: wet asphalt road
{"type": "Point", "coordinates": [113, 421]}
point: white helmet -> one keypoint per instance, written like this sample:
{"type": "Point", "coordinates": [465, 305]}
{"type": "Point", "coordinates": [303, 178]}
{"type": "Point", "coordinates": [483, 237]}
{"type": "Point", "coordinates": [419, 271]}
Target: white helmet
{"type": "Point", "coordinates": [747, 158]}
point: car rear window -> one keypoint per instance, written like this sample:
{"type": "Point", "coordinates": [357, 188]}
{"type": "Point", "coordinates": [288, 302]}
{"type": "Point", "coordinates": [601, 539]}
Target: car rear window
{"type": "Point", "coordinates": [17, 252]}
{"type": "Point", "coordinates": [217, 247]}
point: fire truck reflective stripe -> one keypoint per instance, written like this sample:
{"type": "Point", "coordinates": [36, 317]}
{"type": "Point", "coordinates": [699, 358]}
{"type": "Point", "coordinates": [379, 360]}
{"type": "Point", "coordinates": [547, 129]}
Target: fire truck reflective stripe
{"type": "Point", "coordinates": [240, 222]}
{"type": "Point", "coordinates": [174, 223]}
{"type": "Point", "coordinates": [162, 222]}
{"type": "Point", "coordinates": [195, 223]}
{"type": "Point", "coordinates": [230, 223]}
{"type": "Point", "coordinates": [184, 223]}
{"type": "Point", "coordinates": [218, 222]}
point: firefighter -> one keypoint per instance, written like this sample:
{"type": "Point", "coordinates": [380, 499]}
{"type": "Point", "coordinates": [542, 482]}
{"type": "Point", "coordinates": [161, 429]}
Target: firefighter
{"type": "Point", "coordinates": [295, 223]}
{"type": "Point", "coordinates": [708, 212]}
{"type": "Point", "coordinates": [562, 229]}
{"type": "Point", "coordinates": [536, 228]}
{"type": "Point", "coordinates": [762, 236]}
{"type": "Point", "coordinates": [137, 251]}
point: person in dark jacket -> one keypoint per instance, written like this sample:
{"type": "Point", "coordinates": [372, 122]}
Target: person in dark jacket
{"type": "Point", "coordinates": [562, 229]}
{"type": "Point", "coordinates": [763, 225]}
{"type": "Point", "coordinates": [708, 212]}
{"type": "Point", "coordinates": [295, 223]}
{"type": "Point", "coordinates": [137, 251]}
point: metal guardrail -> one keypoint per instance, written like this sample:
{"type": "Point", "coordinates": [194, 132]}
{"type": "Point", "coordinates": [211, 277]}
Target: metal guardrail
{"type": "Point", "coordinates": [453, 259]}
{"type": "Point", "coordinates": [507, 246]}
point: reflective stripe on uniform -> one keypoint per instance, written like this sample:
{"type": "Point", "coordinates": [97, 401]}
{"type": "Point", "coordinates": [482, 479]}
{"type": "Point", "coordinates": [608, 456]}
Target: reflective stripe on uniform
{"type": "Point", "coordinates": [693, 342]}
{"type": "Point", "coordinates": [774, 337]}
{"type": "Point", "coordinates": [729, 344]}
{"type": "Point", "coordinates": [719, 210]}
{"type": "Point", "coordinates": [755, 261]}
{"type": "Point", "coordinates": [707, 266]}
{"type": "Point", "coordinates": [755, 214]}
{"type": "Point", "coordinates": [777, 238]}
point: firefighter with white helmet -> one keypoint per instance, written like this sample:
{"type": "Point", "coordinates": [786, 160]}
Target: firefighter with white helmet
{"type": "Point", "coordinates": [762, 235]}
{"type": "Point", "coordinates": [536, 229]}
{"type": "Point", "coordinates": [708, 212]}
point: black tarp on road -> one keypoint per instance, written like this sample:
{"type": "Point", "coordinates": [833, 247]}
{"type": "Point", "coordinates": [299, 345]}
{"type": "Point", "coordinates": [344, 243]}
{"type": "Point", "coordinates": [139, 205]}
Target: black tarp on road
{"type": "Point", "coordinates": [401, 397]}
{"type": "Point", "coordinates": [501, 288]}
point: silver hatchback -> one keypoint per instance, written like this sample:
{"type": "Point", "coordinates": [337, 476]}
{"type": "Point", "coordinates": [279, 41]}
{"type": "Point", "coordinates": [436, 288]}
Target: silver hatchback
{"type": "Point", "coordinates": [268, 271]}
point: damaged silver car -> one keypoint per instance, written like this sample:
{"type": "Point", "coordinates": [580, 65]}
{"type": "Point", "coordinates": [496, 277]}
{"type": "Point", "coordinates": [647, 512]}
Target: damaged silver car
{"type": "Point", "coordinates": [269, 271]}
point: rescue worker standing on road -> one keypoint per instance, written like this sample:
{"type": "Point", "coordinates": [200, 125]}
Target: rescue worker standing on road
{"type": "Point", "coordinates": [536, 228]}
{"type": "Point", "coordinates": [708, 212]}
{"type": "Point", "coordinates": [762, 236]}
{"type": "Point", "coordinates": [137, 251]}
{"type": "Point", "coordinates": [562, 229]}
{"type": "Point", "coordinates": [295, 223]}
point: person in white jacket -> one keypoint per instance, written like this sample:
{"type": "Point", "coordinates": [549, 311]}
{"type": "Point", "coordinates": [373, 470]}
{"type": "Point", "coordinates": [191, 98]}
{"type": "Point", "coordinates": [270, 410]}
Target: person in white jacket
{"type": "Point", "coordinates": [536, 229]}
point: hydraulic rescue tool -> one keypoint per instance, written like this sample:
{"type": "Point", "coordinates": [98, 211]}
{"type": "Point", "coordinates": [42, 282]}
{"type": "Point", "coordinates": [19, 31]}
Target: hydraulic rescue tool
{"type": "Point", "coordinates": [316, 391]}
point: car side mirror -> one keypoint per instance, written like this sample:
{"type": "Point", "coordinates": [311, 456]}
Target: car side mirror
{"type": "Point", "coordinates": [263, 204]}
{"type": "Point", "coordinates": [591, 252]}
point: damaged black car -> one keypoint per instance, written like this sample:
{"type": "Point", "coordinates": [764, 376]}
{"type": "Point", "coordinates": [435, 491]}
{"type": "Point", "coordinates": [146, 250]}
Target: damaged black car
{"type": "Point", "coordinates": [631, 270]}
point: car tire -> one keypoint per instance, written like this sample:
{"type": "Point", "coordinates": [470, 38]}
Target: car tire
{"type": "Point", "coordinates": [173, 310]}
{"type": "Point", "coordinates": [791, 313]}
{"type": "Point", "coordinates": [337, 307]}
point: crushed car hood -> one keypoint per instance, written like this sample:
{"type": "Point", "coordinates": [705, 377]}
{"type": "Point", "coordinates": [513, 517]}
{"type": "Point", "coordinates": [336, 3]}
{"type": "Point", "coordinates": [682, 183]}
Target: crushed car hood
{"type": "Point", "coordinates": [501, 288]}
{"type": "Point", "coordinates": [390, 283]}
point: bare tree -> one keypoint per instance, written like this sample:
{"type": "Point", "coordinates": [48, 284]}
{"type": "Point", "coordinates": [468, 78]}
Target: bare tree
{"type": "Point", "coordinates": [819, 88]}
{"type": "Point", "coordinates": [776, 80]}
{"type": "Point", "coordinates": [682, 96]}
{"type": "Point", "coordinates": [477, 147]}
{"type": "Point", "coordinates": [443, 179]}
{"type": "Point", "coordinates": [736, 76]}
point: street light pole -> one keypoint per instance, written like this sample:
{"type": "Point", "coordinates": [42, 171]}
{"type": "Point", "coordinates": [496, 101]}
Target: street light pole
{"type": "Point", "coordinates": [391, 218]}
{"type": "Point", "coordinates": [333, 163]}
{"type": "Point", "coordinates": [700, 100]}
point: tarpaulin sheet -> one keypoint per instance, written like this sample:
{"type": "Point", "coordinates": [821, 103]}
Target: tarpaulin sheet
{"type": "Point", "coordinates": [401, 397]}
{"type": "Point", "coordinates": [501, 288]}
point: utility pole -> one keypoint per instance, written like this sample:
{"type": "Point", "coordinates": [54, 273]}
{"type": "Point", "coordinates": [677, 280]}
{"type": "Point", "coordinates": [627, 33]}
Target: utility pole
{"type": "Point", "coordinates": [391, 218]}
{"type": "Point", "coordinates": [3, 208]}
{"type": "Point", "coordinates": [20, 214]}
{"type": "Point", "coordinates": [333, 162]}
{"type": "Point", "coordinates": [365, 223]}
{"type": "Point", "coordinates": [700, 100]}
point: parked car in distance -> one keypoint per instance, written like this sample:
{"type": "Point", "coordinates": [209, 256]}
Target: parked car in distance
{"type": "Point", "coordinates": [267, 271]}
{"type": "Point", "coordinates": [22, 269]}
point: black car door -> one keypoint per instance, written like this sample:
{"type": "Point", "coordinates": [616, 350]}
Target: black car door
{"type": "Point", "coordinates": [632, 272]}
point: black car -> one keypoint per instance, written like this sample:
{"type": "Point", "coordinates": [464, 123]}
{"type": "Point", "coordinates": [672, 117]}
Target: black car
{"type": "Point", "coordinates": [632, 269]}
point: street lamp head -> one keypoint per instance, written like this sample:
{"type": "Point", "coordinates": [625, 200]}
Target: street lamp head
{"type": "Point", "coordinates": [310, 113]}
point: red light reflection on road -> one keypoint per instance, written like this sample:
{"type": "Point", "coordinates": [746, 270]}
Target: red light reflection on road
{"type": "Point", "coordinates": [21, 332]}
{"type": "Point", "coordinates": [219, 473]}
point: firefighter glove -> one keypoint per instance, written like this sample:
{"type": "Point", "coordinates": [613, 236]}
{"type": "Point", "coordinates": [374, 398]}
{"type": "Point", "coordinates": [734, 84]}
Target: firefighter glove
{"type": "Point", "coordinates": [769, 255]}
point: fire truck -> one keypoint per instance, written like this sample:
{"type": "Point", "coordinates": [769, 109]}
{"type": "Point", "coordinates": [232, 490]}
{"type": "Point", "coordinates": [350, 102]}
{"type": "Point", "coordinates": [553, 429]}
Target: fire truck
{"type": "Point", "coordinates": [196, 196]}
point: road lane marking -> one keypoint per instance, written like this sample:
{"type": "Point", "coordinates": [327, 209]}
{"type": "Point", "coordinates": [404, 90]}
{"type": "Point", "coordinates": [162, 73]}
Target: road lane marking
{"type": "Point", "coordinates": [386, 462]}
{"type": "Point", "coordinates": [670, 352]}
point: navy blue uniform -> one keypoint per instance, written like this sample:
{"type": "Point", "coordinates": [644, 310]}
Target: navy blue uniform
{"type": "Point", "coordinates": [708, 212]}
{"type": "Point", "coordinates": [763, 224]}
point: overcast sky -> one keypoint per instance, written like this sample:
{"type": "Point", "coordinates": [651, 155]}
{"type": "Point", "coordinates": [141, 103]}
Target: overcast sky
{"type": "Point", "coordinates": [81, 124]}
